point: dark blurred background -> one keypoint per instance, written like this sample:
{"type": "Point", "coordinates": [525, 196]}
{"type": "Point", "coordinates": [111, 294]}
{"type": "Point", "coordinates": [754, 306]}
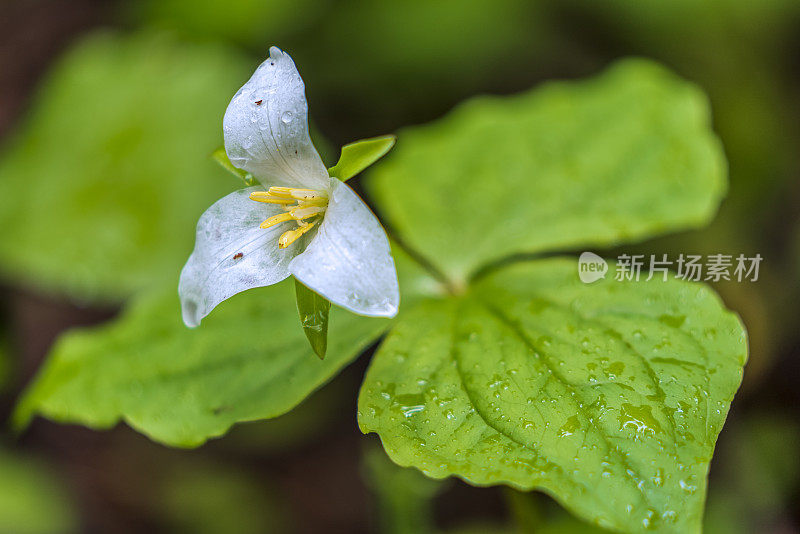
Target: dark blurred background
{"type": "Point", "coordinates": [370, 68]}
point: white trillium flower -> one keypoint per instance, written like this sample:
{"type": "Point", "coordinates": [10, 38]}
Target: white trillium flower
{"type": "Point", "coordinates": [301, 222]}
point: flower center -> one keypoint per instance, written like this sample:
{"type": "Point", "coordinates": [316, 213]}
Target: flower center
{"type": "Point", "coordinates": [303, 206]}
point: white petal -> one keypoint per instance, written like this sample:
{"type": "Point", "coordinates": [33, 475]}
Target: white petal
{"type": "Point", "coordinates": [266, 127]}
{"type": "Point", "coordinates": [232, 254]}
{"type": "Point", "coordinates": [349, 261]}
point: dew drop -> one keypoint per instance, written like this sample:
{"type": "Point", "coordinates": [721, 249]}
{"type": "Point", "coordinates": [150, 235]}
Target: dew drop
{"type": "Point", "coordinates": [686, 487]}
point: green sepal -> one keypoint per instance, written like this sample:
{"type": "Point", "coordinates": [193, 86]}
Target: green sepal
{"type": "Point", "coordinates": [313, 310]}
{"type": "Point", "coordinates": [359, 155]}
{"type": "Point", "coordinates": [221, 157]}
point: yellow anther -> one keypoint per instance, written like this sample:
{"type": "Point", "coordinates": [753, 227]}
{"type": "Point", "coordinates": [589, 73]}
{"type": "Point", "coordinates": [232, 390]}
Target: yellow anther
{"type": "Point", "coordinates": [276, 219]}
{"type": "Point", "coordinates": [319, 201]}
{"type": "Point", "coordinates": [281, 192]}
{"type": "Point", "coordinates": [303, 206]}
{"type": "Point", "coordinates": [287, 238]}
{"type": "Point", "coordinates": [263, 196]}
{"type": "Point", "coordinates": [304, 212]}
{"type": "Point", "coordinates": [306, 194]}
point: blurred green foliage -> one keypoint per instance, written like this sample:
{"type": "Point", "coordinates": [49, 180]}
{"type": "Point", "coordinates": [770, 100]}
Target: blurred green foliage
{"type": "Point", "coordinates": [6, 362]}
{"type": "Point", "coordinates": [101, 188]}
{"type": "Point", "coordinates": [245, 22]}
{"type": "Point", "coordinates": [535, 513]}
{"type": "Point", "coordinates": [377, 64]}
{"type": "Point", "coordinates": [203, 497]}
{"type": "Point", "coordinates": [32, 501]}
{"type": "Point", "coordinates": [735, 48]}
{"type": "Point", "coordinates": [756, 482]}
{"type": "Point", "coordinates": [305, 424]}
{"type": "Point", "coordinates": [404, 497]}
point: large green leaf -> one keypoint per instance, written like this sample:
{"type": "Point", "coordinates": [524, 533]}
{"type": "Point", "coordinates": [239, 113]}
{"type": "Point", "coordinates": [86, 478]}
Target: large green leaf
{"type": "Point", "coordinates": [248, 360]}
{"type": "Point", "coordinates": [621, 157]}
{"type": "Point", "coordinates": [608, 396]}
{"type": "Point", "coordinates": [101, 189]}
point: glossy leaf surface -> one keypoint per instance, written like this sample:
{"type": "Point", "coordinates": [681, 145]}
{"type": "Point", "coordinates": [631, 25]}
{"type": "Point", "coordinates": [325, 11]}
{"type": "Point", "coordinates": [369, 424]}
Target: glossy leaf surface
{"type": "Point", "coordinates": [627, 155]}
{"type": "Point", "coordinates": [607, 396]}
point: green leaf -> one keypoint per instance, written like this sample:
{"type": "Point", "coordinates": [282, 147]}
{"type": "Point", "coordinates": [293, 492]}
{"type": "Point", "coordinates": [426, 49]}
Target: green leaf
{"type": "Point", "coordinates": [608, 396]}
{"type": "Point", "coordinates": [221, 157]}
{"type": "Point", "coordinates": [313, 310]}
{"type": "Point", "coordinates": [624, 156]}
{"type": "Point", "coordinates": [359, 155]}
{"type": "Point", "coordinates": [32, 501]}
{"type": "Point", "coordinates": [249, 360]}
{"type": "Point", "coordinates": [101, 188]}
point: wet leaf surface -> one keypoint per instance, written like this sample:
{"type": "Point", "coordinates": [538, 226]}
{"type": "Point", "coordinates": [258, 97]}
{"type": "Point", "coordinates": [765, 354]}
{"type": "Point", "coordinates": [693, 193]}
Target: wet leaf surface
{"type": "Point", "coordinates": [626, 155]}
{"type": "Point", "coordinates": [607, 396]}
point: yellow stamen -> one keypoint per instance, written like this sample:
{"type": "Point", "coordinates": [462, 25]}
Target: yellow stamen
{"type": "Point", "coordinates": [304, 212]}
{"type": "Point", "coordinates": [281, 192]}
{"type": "Point", "coordinates": [293, 235]}
{"type": "Point", "coordinates": [303, 206]}
{"type": "Point", "coordinates": [320, 201]}
{"type": "Point", "coordinates": [263, 196]}
{"type": "Point", "coordinates": [276, 219]}
{"type": "Point", "coordinates": [306, 194]}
